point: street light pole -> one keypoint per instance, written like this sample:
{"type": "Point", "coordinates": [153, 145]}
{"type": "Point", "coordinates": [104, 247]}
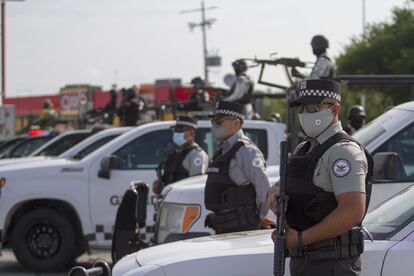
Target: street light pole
{"type": "Point", "coordinates": [3, 49]}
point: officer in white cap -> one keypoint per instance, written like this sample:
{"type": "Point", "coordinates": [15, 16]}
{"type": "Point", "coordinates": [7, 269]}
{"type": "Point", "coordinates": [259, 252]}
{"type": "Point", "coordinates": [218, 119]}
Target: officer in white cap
{"type": "Point", "coordinates": [328, 184]}
{"type": "Point", "coordinates": [236, 183]}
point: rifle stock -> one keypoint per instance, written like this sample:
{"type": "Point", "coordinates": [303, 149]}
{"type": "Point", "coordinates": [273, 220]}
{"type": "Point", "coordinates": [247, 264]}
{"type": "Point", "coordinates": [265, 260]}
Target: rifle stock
{"type": "Point", "coordinates": [279, 244]}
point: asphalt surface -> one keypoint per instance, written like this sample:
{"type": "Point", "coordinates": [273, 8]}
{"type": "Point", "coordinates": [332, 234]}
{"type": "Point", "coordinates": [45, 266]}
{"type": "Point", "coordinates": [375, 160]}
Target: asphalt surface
{"type": "Point", "coordinates": [10, 267]}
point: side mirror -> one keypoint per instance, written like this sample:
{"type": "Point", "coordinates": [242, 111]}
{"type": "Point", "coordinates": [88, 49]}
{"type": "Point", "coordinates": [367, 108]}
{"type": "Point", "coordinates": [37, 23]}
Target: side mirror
{"type": "Point", "coordinates": [107, 164]}
{"type": "Point", "coordinates": [388, 167]}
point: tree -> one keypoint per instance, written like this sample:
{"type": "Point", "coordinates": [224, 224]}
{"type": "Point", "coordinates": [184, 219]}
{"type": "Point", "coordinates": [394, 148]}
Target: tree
{"type": "Point", "coordinates": [388, 48]}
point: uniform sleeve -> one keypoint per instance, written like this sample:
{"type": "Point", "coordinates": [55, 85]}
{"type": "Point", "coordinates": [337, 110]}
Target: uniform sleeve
{"type": "Point", "coordinates": [196, 162]}
{"type": "Point", "coordinates": [348, 168]}
{"type": "Point", "coordinates": [253, 166]}
{"type": "Point", "coordinates": [320, 69]}
{"type": "Point", "coordinates": [241, 87]}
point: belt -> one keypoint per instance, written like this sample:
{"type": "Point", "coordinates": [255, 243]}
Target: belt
{"type": "Point", "coordinates": [349, 244]}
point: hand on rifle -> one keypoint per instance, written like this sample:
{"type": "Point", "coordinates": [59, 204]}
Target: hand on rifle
{"type": "Point", "coordinates": [291, 238]}
{"type": "Point", "coordinates": [271, 197]}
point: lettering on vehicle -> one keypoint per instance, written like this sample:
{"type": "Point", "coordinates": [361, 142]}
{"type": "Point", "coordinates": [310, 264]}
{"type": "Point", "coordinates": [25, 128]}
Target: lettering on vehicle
{"type": "Point", "coordinates": [115, 200]}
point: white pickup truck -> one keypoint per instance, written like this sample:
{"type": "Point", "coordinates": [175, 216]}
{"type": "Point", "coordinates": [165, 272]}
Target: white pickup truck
{"type": "Point", "coordinates": [391, 132]}
{"type": "Point", "coordinates": [53, 210]}
{"type": "Point", "coordinates": [63, 145]}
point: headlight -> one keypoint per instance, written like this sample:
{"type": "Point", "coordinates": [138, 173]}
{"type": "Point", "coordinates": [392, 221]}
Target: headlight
{"type": "Point", "coordinates": [176, 218]}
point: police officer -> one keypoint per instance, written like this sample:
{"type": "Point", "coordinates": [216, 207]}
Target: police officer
{"type": "Point", "coordinates": [188, 160]}
{"type": "Point", "coordinates": [242, 88]}
{"type": "Point", "coordinates": [323, 68]}
{"type": "Point", "coordinates": [328, 184]}
{"type": "Point", "coordinates": [236, 183]}
{"type": "Point", "coordinates": [356, 119]}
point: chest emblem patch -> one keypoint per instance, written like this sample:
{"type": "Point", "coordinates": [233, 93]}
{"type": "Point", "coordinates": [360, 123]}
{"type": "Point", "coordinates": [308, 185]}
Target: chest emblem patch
{"type": "Point", "coordinates": [341, 167]}
{"type": "Point", "coordinates": [197, 161]}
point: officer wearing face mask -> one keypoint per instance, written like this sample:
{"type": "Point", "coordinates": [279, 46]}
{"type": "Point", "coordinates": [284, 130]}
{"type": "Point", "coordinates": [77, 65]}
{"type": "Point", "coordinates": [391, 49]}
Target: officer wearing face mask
{"type": "Point", "coordinates": [236, 183]}
{"type": "Point", "coordinates": [328, 184]}
{"type": "Point", "coordinates": [187, 160]}
{"type": "Point", "coordinates": [356, 119]}
{"type": "Point", "coordinates": [242, 89]}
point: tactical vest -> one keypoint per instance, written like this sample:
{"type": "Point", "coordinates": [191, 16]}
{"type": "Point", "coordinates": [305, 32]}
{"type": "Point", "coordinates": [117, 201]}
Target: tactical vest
{"type": "Point", "coordinates": [247, 97]}
{"type": "Point", "coordinates": [173, 166]}
{"type": "Point", "coordinates": [234, 206]}
{"type": "Point", "coordinates": [309, 204]}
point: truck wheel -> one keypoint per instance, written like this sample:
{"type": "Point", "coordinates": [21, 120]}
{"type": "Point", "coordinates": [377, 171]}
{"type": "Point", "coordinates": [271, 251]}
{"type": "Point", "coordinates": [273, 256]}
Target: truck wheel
{"type": "Point", "coordinates": [44, 240]}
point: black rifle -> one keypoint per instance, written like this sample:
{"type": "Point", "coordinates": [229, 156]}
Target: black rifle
{"type": "Point", "coordinates": [282, 198]}
{"type": "Point", "coordinates": [289, 62]}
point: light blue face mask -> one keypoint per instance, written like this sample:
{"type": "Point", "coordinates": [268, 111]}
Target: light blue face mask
{"type": "Point", "coordinates": [178, 138]}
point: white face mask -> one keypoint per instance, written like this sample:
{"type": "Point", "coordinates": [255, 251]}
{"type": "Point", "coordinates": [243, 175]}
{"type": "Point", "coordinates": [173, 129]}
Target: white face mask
{"type": "Point", "coordinates": [315, 123]}
{"type": "Point", "coordinates": [218, 131]}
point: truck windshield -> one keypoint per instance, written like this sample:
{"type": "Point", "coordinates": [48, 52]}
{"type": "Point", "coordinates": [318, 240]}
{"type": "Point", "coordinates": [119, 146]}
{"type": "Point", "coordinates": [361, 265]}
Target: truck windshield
{"type": "Point", "coordinates": [61, 145]}
{"type": "Point", "coordinates": [375, 128]}
{"type": "Point", "coordinates": [391, 216]}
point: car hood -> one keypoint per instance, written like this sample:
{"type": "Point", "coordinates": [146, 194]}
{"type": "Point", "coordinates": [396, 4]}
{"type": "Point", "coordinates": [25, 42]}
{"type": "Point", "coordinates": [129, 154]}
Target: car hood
{"type": "Point", "coordinates": [9, 161]}
{"type": "Point", "coordinates": [211, 246]}
{"type": "Point", "coordinates": [242, 253]}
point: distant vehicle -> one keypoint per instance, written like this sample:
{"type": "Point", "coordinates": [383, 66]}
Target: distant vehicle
{"type": "Point", "coordinates": [27, 145]}
{"type": "Point", "coordinates": [251, 253]}
{"type": "Point", "coordinates": [7, 144]}
{"type": "Point", "coordinates": [78, 151]}
{"type": "Point", "coordinates": [63, 142]}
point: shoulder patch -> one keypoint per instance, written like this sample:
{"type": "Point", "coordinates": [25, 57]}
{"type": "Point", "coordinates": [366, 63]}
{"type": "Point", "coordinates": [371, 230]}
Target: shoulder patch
{"type": "Point", "coordinates": [341, 167]}
{"type": "Point", "coordinates": [258, 163]}
{"type": "Point", "coordinates": [197, 161]}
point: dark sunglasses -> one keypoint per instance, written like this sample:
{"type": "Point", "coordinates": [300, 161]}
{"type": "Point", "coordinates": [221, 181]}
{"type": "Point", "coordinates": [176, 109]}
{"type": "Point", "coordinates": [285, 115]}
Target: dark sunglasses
{"type": "Point", "coordinates": [312, 108]}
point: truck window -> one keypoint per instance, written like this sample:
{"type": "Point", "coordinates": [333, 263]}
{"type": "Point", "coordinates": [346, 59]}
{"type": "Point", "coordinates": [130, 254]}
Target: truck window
{"type": "Point", "coordinates": [92, 147]}
{"type": "Point", "coordinates": [403, 144]}
{"type": "Point", "coordinates": [28, 146]}
{"type": "Point", "coordinates": [63, 144]}
{"type": "Point", "coordinates": [205, 139]}
{"type": "Point", "coordinates": [147, 151]}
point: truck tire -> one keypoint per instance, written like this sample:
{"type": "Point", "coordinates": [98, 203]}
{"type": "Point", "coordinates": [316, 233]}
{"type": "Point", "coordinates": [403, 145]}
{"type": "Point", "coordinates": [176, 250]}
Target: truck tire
{"type": "Point", "coordinates": [44, 240]}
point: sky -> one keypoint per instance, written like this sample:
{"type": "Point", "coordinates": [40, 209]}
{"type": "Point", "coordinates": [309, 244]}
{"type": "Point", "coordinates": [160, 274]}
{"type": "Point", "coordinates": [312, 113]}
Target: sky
{"type": "Point", "coordinates": [53, 43]}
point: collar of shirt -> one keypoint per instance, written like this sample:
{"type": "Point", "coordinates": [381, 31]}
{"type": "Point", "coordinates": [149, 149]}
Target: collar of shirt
{"type": "Point", "coordinates": [229, 142]}
{"type": "Point", "coordinates": [189, 145]}
{"type": "Point", "coordinates": [328, 133]}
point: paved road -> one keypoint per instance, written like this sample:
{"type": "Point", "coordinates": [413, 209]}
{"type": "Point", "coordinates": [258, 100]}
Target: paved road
{"type": "Point", "coordinates": [10, 267]}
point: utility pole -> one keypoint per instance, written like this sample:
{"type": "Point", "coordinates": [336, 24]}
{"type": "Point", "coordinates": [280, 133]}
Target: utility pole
{"type": "Point", "coordinates": [3, 49]}
{"type": "Point", "coordinates": [204, 22]}
{"type": "Point", "coordinates": [363, 21]}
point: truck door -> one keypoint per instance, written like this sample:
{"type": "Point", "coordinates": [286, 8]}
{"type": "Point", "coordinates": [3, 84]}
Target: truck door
{"type": "Point", "coordinates": [138, 161]}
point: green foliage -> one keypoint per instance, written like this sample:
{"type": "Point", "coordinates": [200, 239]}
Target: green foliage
{"type": "Point", "coordinates": [387, 49]}
{"type": "Point", "coordinates": [275, 106]}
